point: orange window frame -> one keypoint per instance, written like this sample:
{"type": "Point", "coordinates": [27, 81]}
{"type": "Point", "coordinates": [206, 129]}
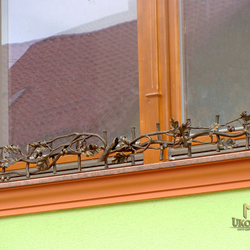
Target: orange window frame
{"type": "Point", "coordinates": [160, 92]}
{"type": "Point", "coordinates": [159, 66]}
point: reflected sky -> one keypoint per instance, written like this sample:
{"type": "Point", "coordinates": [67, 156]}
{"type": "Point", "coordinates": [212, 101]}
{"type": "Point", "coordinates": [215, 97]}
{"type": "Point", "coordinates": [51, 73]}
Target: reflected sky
{"type": "Point", "coordinates": [35, 19]}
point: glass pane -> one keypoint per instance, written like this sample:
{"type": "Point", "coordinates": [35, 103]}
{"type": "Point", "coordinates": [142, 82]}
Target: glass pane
{"type": "Point", "coordinates": [216, 35]}
{"type": "Point", "coordinates": [73, 67]}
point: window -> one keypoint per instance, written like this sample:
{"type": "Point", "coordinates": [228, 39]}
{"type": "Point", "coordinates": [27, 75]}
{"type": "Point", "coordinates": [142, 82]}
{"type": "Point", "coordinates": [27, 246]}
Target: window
{"type": "Point", "coordinates": [215, 35]}
{"type": "Point", "coordinates": [73, 67]}
{"type": "Point", "coordinates": [211, 38]}
{"type": "Point", "coordinates": [160, 99]}
{"type": "Point", "coordinates": [159, 76]}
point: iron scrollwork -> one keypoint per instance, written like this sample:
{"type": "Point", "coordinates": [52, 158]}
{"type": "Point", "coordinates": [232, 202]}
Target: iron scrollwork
{"type": "Point", "coordinates": [45, 156]}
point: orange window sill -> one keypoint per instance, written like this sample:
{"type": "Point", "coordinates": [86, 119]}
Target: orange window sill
{"type": "Point", "coordinates": [141, 182]}
{"type": "Point", "coordinates": [63, 159]}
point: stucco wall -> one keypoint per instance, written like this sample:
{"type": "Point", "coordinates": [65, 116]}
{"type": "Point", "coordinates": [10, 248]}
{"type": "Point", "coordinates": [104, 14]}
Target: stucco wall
{"type": "Point", "coordinates": [191, 222]}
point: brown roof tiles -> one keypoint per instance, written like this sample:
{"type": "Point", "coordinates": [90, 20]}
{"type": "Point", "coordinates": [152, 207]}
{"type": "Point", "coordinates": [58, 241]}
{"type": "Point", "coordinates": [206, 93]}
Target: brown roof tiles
{"type": "Point", "coordinates": [83, 82]}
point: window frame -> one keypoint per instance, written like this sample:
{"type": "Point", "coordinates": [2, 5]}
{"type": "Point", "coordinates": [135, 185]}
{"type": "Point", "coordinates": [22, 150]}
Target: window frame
{"type": "Point", "coordinates": [159, 66]}
{"type": "Point", "coordinates": [159, 80]}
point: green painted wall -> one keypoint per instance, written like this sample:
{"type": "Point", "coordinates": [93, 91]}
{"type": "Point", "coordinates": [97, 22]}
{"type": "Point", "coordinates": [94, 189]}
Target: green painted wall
{"type": "Point", "coordinates": [191, 222]}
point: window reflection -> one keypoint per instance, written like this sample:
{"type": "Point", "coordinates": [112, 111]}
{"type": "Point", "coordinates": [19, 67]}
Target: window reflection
{"type": "Point", "coordinates": [216, 39]}
{"type": "Point", "coordinates": [83, 78]}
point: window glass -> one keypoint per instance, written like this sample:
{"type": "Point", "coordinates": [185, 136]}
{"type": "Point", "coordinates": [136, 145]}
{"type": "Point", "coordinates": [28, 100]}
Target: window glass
{"type": "Point", "coordinates": [73, 67]}
{"type": "Point", "coordinates": [216, 35]}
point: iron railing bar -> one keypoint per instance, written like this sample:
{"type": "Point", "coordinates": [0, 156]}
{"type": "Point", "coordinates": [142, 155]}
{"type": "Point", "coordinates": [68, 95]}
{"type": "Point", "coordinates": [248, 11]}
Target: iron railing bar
{"type": "Point", "coordinates": [46, 157]}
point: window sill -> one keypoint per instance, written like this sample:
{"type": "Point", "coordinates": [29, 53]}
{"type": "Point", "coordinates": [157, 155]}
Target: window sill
{"type": "Point", "coordinates": [132, 183]}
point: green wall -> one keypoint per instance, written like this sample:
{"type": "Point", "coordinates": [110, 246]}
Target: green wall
{"type": "Point", "coordinates": [191, 222]}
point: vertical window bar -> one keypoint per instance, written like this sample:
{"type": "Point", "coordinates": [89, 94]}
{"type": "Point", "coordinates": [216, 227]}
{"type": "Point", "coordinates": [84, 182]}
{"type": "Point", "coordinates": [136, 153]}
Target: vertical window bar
{"type": "Point", "coordinates": [159, 138]}
{"type": "Point", "coordinates": [247, 135]}
{"type": "Point", "coordinates": [79, 158]}
{"type": "Point", "coordinates": [217, 120]}
{"type": "Point", "coordinates": [133, 137]}
{"type": "Point", "coordinates": [53, 157]}
{"type": "Point", "coordinates": [105, 139]}
{"type": "Point", "coordinates": [27, 164]}
{"type": "Point", "coordinates": [3, 168]}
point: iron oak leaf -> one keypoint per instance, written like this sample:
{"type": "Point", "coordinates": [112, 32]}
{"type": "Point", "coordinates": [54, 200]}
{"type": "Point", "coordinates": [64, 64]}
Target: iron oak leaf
{"type": "Point", "coordinates": [12, 149]}
{"type": "Point", "coordinates": [174, 125]}
{"type": "Point", "coordinates": [213, 128]}
{"type": "Point", "coordinates": [244, 116]}
{"type": "Point", "coordinates": [185, 128]}
{"type": "Point", "coordinates": [125, 144]}
{"type": "Point", "coordinates": [8, 161]}
{"type": "Point", "coordinates": [43, 164]}
{"type": "Point", "coordinates": [38, 144]}
{"type": "Point", "coordinates": [174, 128]}
{"type": "Point", "coordinates": [185, 141]}
{"type": "Point", "coordinates": [124, 140]}
{"type": "Point", "coordinates": [38, 148]}
{"type": "Point", "coordinates": [90, 150]}
{"type": "Point", "coordinates": [38, 152]}
{"type": "Point", "coordinates": [227, 144]}
{"type": "Point", "coordinates": [120, 158]}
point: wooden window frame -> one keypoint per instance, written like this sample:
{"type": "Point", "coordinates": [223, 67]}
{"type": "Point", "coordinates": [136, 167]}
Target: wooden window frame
{"type": "Point", "coordinates": [160, 92]}
{"type": "Point", "coordinates": [159, 66]}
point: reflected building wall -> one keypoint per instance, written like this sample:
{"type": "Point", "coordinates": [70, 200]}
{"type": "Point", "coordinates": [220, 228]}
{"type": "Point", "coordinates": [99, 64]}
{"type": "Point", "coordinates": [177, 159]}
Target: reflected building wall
{"type": "Point", "coordinates": [76, 82]}
{"type": "Point", "coordinates": [4, 119]}
{"type": "Point", "coordinates": [216, 59]}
